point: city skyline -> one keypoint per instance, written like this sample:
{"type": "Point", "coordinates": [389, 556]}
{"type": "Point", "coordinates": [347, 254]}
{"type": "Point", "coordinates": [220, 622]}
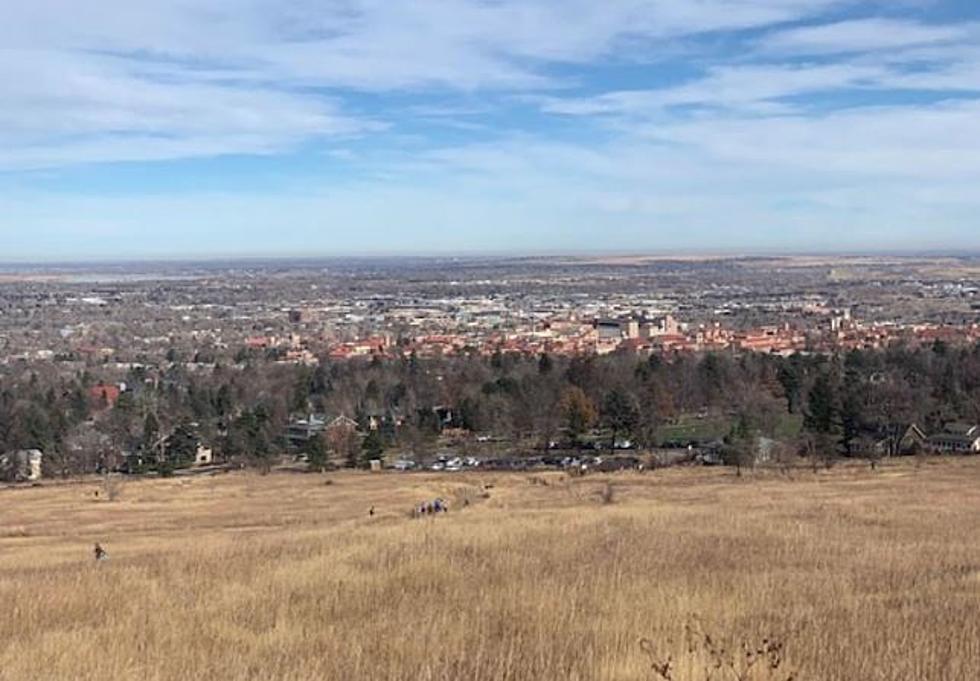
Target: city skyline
{"type": "Point", "coordinates": [222, 129]}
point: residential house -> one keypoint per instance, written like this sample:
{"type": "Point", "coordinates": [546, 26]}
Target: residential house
{"type": "Point", "coordinates": [104, 396]}
{"type": "Point", "coordinates": [957, 438]}
{"type": "Point", "coordinates": [901, 440]}
{"type": "Point", "coordinates": [301, 431]}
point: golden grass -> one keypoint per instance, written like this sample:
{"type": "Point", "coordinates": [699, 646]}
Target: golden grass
{"type": "Point", "coordinates": [863, 576]}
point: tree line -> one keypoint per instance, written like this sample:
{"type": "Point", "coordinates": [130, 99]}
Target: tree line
{"type": "Point", "coordinates": [843, 401]}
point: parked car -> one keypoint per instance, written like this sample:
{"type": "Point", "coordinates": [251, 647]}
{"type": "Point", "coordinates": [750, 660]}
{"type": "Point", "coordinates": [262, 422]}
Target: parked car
{"type": "Point", "coordinates": [709, 458]}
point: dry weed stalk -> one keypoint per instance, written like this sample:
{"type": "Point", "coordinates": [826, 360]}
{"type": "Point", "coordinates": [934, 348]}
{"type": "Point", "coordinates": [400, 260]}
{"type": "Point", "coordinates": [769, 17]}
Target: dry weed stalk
{"type": "Point", "coordinates": [706, 658]}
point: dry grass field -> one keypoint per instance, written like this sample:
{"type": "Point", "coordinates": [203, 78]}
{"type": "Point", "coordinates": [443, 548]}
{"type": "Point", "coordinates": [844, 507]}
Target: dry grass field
{"type": "Point", "coordinates": [848, 575]}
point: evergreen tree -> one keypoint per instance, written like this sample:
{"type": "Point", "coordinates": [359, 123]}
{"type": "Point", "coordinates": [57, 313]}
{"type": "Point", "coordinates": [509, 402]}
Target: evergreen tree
{"type": "Point", "coordinates": [822, 418]}
{"type": "Point", "coordinates": [181, 447]}
{"type": "Point", "coordinates": [620, 414]}
{"type": "Point", "coordinates": [789, 378]}
{"type": "Point", "coordinates": [372, 448]}
{"type": "Point", "coordinates": [316, 453]}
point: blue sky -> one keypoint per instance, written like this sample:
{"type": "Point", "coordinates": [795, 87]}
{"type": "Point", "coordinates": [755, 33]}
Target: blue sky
{"type": "Point", "coordinates": [174, 128]}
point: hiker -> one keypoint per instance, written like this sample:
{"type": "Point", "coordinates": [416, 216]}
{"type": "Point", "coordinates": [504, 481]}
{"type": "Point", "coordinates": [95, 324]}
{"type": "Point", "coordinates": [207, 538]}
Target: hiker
{"type": "Point", "coordinates": [100, 553]}
{"type": "Point", "coordinates": [371, 512]}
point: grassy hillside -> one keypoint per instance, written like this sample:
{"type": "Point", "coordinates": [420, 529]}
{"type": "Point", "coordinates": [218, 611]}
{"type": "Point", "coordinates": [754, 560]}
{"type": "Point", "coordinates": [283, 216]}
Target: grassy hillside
{"type": "Point", "coordinates": [848, 574]}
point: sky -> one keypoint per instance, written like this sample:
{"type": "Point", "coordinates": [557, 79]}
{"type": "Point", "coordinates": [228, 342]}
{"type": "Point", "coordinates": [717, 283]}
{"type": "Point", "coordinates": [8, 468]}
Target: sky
{"type": "Point", "coordinates": [221, 128]}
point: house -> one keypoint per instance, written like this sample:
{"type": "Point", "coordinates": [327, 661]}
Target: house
{"type": "Point", "coordinates": [20, 466]}
{"type": "Point", "coordinates": [957, 438]}
{"type": "Point", "coordinates": [342, 421]}
{"type": "Point", "coordinates": [301, 431]}
{"type": "Point", "coordinates": [901, 440]}
{"type": "Point", "coordinates": [104, 396]}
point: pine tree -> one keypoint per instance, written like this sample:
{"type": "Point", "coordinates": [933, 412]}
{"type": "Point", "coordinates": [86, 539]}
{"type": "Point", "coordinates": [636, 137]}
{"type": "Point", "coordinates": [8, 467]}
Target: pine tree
{"type": "Point", "coordinates": [372, 448]}
{"type": "Point", "coordinates": [316, 453]}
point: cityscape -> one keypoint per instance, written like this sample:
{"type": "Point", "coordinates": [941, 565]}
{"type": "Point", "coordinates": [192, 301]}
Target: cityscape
{"type": "Point", "coordinates": [302, 313]}
{"type": "Point", "coordinates": [489, 340]}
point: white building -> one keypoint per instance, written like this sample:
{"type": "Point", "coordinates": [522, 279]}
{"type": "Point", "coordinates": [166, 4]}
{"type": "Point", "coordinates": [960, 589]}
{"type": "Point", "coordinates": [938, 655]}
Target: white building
{"type": "Point", "coordinates": [22, 465]}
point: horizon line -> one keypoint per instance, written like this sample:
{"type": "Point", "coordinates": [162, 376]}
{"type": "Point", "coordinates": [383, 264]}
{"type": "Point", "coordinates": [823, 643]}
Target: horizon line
{"type": "Point", "coordinates": [530, 254]}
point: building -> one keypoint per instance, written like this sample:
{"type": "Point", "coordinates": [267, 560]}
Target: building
{"type": "Point", "coordinates": [902, 440]}
{"type": "Point", "coordinates": [301, 431]}
{"type": "Point", "coordinates": [204, 456]}
{"type": "Point", "coordinates": [660, 326]}
{"type": "Point", "coordinates": [616, 329]}
{"type": "Point", "coordinates": [958, 438]}
{"type": "Point", "coordinates": [104, 396]}
{"type": "Point", "coordinates": [21, 466]}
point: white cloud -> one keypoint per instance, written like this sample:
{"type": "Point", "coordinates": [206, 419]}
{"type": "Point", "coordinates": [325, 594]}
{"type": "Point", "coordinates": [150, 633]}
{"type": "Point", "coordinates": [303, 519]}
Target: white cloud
{"type": "Point", "coordinates": [78, 108]}
{"type": "Point", "coordinates": [753, 87]}
{"type": "Point", "coordinates": [123, 80]}
{"type": "Point", "coordinates": [866, 35]}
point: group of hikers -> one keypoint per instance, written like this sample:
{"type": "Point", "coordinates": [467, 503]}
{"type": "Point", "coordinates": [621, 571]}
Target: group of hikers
{"type": "Point", "coordinates": [432, 507]}
{"type": "Point", "coordinates": [425, 508]}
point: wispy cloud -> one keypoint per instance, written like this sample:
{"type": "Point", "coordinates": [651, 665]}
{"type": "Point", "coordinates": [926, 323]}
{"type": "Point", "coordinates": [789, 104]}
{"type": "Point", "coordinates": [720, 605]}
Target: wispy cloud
{"type": "Point", "coordinates": [120, 80]}
{"type": "Point", "coordinates": [867, 35]}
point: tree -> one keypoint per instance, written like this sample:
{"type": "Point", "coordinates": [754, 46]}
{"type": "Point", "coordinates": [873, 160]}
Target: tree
{"type": "Point", "coordinates": [869, 449]}
{"type": "Point", "coordinates": [578, 413]}
{"type": "Point", "coordinates": [789, 378]}
{"type": "Point", "coordinates": [342, 443]}
{"type": "Point", "coordinates": [316, 453]}
{"type": "Point", "coordinates": [851, 414]}
{"type": "Point", "coordinates": [822, 418]}
{"type": "Point", "coordinates": [822, 408]}
{"type": "Point", "coordinates": [372, 447]}
{"type": "Point", "coordinates": [711, 372]}
{"type": "Point", "coordinates": [151, 431]}
{"type": "Point", "coordinates": [497, 359]}
{"type": "Point", "coordinates": [79, 405]}
{"type": "Point", "coordinates": [740, 445]}
{"type": "Point", "coordinates": [181, 447]}
{"type": "Point", "coordinates": [250, 437]}
{"type": "Point", "coordinates": [620, 414]}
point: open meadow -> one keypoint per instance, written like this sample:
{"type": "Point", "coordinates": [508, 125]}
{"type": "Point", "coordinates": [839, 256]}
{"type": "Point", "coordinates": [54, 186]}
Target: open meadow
{"type": "Point", "coordinates": [847, 574]}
